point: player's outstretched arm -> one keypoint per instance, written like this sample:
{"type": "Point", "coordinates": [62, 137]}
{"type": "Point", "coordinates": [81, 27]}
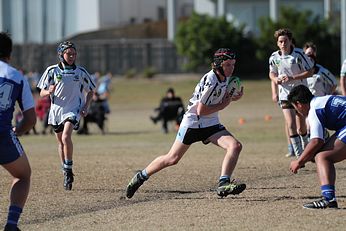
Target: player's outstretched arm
{"type": "Point", "coordinates": [85, 109]}
{"type": "Point", "coordinates": [308, 154]}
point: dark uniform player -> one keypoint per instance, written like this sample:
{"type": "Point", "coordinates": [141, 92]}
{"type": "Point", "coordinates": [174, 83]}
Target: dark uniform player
{"type": "Point", "coordinates": [14, 88]}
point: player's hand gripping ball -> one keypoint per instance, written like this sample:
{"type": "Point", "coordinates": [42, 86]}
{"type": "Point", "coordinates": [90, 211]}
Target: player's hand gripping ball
{"type": "Point", "coordinates": [234, 86]}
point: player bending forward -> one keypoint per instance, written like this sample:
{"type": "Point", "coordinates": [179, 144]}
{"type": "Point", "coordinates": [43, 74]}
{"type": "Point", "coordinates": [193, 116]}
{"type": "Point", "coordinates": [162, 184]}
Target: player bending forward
{"type": "Point", "coordinates": [201, 123]}
{"type": "Point", "coordinates": [322, 112]}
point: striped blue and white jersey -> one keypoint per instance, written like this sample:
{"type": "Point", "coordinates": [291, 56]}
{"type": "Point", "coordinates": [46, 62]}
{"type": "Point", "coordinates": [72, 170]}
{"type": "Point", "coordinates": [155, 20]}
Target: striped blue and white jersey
{"type": "Point", "coordinates": [70, 92]}
{"type": "Point", "coordinates": [13, 88]}
{"type": "Point", "coordinates": [343, 69]}
{"type": "Point", "coordinates": [209, 91]}
{"type": "Point", "coordinates": [326, 112]}
{"type": "Point", "coordinates": [289, 65]}
{"type": "Point", "coordinates": [322, 82]}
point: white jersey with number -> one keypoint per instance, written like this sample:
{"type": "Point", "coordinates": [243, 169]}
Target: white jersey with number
{"type": "Point", "coordinates": [343, 69]}
{"type": "Point", "coordinates": [13, 88]}
{"type": "Point", "coordinates": [209, 91]}
{"type": "Point", "coordinates": [292, 64]}
{"type": "Point", "coordinates": [322, 82]}
{"type": "Point", "coordinates": [70, 92]}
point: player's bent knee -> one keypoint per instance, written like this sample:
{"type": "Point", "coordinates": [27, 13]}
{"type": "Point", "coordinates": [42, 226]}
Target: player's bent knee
{"type": "Point", "coordinates": [26, 175]}
{"type": "Point", "coordinates": [66, 139]}
{"type": "Point", "coordinates": [322, 159]}
{"type": "Point", "coordinates": [22, 170]}
{"type": "Point", "coordinates": [302, 132]}
{"type": "Point", "coordinates": [235, 147]}
{"type": "Point", "coordinates": [23, 178]}
{"type": "Point", "coordinates": [239, 147]}
{"type": "Point", "coordinates": [172, 160]}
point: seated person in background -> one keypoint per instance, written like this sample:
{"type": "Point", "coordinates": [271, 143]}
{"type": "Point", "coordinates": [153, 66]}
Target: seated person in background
{"type": "Point", "coordinates": [96, 114]}
{"type": "Point", "coordinates": [171, 108]}
{"type": "Point", "coordinates": [103, 90]}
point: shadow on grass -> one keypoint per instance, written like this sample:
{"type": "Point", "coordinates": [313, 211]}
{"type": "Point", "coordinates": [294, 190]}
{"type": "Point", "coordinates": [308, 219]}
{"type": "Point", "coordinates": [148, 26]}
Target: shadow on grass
{"type": "Point", "coordinates": [117, 133]}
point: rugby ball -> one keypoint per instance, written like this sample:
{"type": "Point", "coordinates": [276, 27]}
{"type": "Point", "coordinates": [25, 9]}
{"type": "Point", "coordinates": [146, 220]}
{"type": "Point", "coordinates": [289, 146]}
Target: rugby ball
{"type": "Point", "coordinates": [234, 85]}
{"type": "Point", "coordinates": [58, 78]}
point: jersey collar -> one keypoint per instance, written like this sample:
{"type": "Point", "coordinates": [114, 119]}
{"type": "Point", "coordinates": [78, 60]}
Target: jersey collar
{"type": "Point", "coordinates": [292, 48]}
{"type": "Point", "coordinates": [67, 67]}
{"type": "Point", "coordinates": [218, 77]}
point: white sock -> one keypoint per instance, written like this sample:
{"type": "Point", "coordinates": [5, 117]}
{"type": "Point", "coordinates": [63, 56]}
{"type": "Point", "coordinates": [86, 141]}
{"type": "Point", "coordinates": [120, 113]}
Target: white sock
{"type": "Point", "coordinates": [305, 140]}
{"type": "Point", "coordinates": [297, 145]}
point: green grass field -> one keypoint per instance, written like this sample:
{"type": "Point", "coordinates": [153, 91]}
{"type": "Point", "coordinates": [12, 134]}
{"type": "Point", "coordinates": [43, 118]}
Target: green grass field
{"type": "Point", "coordinates": [182, 197]}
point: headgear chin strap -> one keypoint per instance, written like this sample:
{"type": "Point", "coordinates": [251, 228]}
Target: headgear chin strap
{"type": "Point", "coordinates": [62, 47]}
{"type": "Point", "coordinates": [221, 55]}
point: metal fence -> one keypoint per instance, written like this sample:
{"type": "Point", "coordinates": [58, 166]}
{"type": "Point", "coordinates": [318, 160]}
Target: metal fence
{"type": "Point", "coordinates": [117, 56]}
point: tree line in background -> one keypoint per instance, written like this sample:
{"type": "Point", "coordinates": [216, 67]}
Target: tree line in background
{"type": "Point", "coordinates": [196, 40]}
{"type": "Point", "coordinates": [199, 36]}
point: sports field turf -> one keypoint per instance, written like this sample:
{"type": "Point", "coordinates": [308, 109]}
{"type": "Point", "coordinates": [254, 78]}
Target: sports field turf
{"type": "Point", "coordinates": [182, 197]}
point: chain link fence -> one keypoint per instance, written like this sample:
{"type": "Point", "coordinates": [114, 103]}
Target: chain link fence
{"type": "Point", "coordinates": [117, 56]}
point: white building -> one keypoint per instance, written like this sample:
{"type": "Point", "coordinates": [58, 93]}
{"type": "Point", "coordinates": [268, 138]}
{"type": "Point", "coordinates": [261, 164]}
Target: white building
{"type": "Point", "coordinates": [49, 21]}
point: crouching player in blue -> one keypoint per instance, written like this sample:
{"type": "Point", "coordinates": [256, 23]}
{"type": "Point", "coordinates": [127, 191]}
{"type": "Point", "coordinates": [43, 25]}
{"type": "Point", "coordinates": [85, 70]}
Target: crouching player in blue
{"type": "Point", "coordinates": [322, 112]}
{"type": "Point", "coordinates": [14, 88]}
{"type": "Point", "coordinates": [201, 123]}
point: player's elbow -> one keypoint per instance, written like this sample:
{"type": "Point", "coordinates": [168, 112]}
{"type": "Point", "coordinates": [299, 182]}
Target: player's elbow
{"type": "Point", "coordinates": [202, 109]}
{"type": "Point", "coordinates": [317, 143]}
{"type": "Point", "coordinates": [199, 112]}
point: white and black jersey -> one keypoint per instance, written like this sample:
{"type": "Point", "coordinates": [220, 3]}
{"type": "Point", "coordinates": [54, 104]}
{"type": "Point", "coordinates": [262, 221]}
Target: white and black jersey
{"type": "Point", "coordinates": [322, 82]}
{"type": "Point", "coordinates": [292, 64]}
{"type": "Point", "coordinates": [209, 91]}
{"type": "Point", "coordinates": [70, 92]}
{"type": "Point", "coordinates": [343, 69]}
